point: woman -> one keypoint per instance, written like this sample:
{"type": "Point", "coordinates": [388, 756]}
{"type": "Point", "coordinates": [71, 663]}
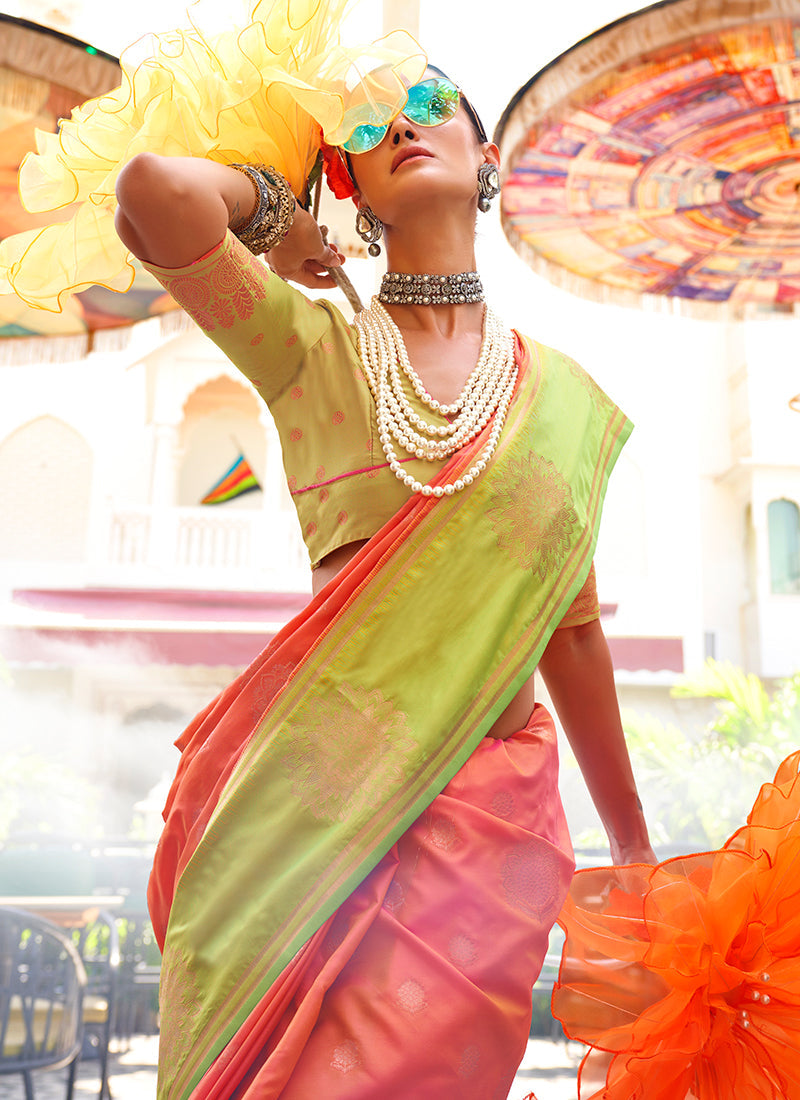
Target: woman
{"type": "Point", "coordinates": [361, 993]}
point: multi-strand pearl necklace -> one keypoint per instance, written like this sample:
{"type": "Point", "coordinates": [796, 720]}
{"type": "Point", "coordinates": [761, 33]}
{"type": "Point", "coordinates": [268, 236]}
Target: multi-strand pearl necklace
{"type": "Point", "coordinates": [487, 393]}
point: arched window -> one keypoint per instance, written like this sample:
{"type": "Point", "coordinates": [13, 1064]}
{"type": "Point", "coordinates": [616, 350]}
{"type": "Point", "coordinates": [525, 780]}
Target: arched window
{"type": "Point", "coordinates": [783, 521]}
{"type": "Point", "coordinates": [220, 422]}
{"type": "Point", "coordinates": [45, 490]}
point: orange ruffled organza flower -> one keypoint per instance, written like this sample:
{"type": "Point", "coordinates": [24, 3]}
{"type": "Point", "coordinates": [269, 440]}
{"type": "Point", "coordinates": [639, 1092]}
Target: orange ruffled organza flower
{"type": "Point", "coordinates": [684, 978]}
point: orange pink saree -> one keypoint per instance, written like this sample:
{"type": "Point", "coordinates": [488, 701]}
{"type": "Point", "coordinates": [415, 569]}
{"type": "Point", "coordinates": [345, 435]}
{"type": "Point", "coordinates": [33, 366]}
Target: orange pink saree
{"type": "Point", "coordinates": [354, 888]}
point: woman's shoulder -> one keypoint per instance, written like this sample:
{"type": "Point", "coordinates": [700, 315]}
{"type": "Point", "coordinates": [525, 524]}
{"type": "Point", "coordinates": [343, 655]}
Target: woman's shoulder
{"type": "Point", "coordinates": [264, 325]}
{"type": "Point", "coordinates": [562, 370]}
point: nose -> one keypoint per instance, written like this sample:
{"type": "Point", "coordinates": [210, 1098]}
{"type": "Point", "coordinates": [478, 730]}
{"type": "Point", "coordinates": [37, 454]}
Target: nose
{"type": "Point", "coordinates": [401, 129]}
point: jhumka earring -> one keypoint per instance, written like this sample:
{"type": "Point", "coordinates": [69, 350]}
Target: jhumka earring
{"type": "Point", "coordinates": [488, 185]}
{"type": "Point", "coordinates": [370, 229]}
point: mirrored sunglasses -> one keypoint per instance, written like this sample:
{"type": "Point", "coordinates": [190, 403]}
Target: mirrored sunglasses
{"type": "Point", "coordinates": [429, 103]}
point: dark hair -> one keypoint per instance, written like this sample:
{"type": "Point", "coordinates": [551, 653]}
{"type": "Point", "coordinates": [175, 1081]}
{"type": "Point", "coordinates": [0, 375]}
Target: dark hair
{"type": "Point", "coordinates": [472, 114]}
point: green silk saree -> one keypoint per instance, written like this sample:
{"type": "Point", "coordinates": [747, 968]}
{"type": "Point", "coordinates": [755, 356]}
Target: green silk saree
{"type": "Point", "coordinates": [302, 774]}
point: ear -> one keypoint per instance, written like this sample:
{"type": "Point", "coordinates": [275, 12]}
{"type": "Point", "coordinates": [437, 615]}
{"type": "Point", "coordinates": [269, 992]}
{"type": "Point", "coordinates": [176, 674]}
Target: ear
{"type": "Point", "coordinates": [491, 154]}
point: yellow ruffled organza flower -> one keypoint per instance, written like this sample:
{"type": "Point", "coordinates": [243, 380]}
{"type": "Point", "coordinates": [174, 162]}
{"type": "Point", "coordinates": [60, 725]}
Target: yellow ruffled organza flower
{"type": "Point", "coordinates": [265, 88]}
{"type": "Point", "coordinates": [684, 978]}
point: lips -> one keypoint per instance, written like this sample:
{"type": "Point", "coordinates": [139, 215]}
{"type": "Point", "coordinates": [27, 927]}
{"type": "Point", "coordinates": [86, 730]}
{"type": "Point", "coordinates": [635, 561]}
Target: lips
{"type": "Point", "coordinates": [406, 153]}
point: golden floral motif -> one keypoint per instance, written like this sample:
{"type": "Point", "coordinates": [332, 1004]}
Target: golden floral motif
{"type": "Point", "coordinates": [503, 804]}
{"type": "Point", "coordinates": [470, 1060]}
{"type": "Point", "coordinates": [411, 997]}
{"type": "Point", "coordinates": [531, 879]}
{"type": "Point", "coordinates": [533, 513]}
{"type": "Point", "coordinates": [346, 1057]}
{"type": "Point", "coordinates": [179, 1002]}
{"type": "Point", "coordinates": [463, 950]}
{"type": "Point", "coordinates": [600, 399]}
{"type": "Point", "coordinates": [443, 833]}
{"type": "Point", "coordinates": [267, 685]}
{"type": "Point", "coordinates": [346, 750]}
{"type": "Point", "coordinates": [395, 898]}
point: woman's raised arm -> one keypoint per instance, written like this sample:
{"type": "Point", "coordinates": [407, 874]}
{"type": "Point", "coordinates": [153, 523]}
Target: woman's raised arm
{"type": "Point", "coordinates": [172, 210]}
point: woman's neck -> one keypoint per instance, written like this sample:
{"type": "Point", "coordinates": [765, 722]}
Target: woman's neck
{"type": "Point", "coordinates": [444, 250]}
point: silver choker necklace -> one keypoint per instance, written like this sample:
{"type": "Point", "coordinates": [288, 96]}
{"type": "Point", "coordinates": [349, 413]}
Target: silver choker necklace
{"type": "Point", "coordinates": [430, 290]}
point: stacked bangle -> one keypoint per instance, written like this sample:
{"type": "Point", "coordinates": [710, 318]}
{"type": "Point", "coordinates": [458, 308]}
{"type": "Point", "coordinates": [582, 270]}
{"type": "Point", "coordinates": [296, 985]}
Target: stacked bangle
{"type": "Point", "coordinates": [273, 215]}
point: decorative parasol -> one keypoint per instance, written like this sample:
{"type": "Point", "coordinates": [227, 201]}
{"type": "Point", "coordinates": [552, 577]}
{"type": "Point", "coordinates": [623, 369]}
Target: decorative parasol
{"type": "Point", "coordinates": [43, 75]}
{"type": "Point", "coordinates": [659, 159]}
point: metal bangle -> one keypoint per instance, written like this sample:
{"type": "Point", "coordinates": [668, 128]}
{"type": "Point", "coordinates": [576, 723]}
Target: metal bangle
{"type": "Point", "coordinates": [272, 218]}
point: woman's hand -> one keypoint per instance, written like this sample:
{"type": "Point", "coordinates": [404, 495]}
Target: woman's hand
{"type": "Point", "coordinates": [621, 855]}
{"type": "Point", "coordinates": [303, 256]}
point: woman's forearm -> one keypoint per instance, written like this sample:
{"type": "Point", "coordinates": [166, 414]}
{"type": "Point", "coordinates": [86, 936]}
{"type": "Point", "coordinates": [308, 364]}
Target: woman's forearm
{"type": "Point", "coordinates": [172, 210]}
{"type": "Point", "coordinates": [578, 673]}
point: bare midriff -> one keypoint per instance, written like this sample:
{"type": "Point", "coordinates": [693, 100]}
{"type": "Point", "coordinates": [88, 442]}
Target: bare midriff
{"type": "Point", "coordinates": [514, 717]}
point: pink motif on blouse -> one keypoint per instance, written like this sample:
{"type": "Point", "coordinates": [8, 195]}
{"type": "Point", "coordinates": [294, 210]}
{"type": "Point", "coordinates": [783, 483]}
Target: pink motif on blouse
{"type": "Point", "coordinates": [295, 435]}
{"type": "Point", "coordinates": [296, 393]}
{"type": "Point", "coordinates": [323, 495]}
{"type": "Point", "coordinates": [341, 518]}
{"type": "Point", "coordinates": [292, 340]}
{"type": "Point", "coordinates": [257, 339]}
{"type": "Point", "coordinates": [338, 417]}
{"type": "Point", "coordinates": [228, 293]}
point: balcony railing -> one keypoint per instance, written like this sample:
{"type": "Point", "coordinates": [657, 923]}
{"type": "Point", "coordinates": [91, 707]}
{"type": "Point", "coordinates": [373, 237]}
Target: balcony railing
{"type": "Point", "coordinates": [199, 545]}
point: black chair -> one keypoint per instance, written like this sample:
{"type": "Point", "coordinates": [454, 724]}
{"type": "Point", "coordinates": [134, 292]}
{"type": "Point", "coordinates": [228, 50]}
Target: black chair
{"type": "Point", "coordinates": [97, 944]}
{"type": "Point", "coordinates": [42, 980]}
{"type": "Point", "coordinates": [140, 968]}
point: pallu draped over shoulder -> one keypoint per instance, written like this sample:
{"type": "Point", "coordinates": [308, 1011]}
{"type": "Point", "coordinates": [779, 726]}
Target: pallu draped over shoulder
{"type": "Point", "coordinates": [313, 784]}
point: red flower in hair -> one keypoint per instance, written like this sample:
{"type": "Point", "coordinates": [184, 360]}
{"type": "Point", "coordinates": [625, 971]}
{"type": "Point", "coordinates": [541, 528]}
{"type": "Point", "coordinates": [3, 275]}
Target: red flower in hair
{"type": "Point", "coordinates": [335, 168]}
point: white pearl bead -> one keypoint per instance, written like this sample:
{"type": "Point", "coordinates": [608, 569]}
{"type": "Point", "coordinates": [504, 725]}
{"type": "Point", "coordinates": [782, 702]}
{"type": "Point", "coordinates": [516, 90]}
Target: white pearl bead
{"type": "Point", "coordinates": [427, 491]}
{"type": "Point", "coordinates": [449, 490]}
{"type": "Point", "coordinates": [459, 484]}
{"type": "Point", "coordinates": [438, 491]}
{"type": "Point", "coordinates": [485, 395]}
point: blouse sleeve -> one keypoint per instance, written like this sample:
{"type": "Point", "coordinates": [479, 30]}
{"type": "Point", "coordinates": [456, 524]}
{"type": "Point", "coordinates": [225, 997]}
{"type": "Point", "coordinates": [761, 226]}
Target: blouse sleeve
{"type": "Point", "coordinates": [263, 325]}
{"type": "Point", "coordinates": [585, 608]}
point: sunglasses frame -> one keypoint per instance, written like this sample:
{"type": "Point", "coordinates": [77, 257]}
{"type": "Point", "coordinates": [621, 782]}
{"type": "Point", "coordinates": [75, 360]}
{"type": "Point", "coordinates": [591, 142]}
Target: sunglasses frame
{"type": "Point", "coordinates": [438, 81]}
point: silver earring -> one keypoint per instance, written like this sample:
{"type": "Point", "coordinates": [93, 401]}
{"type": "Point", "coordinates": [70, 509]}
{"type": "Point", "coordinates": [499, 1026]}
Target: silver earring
{"type": "Point", "coordinates": [488, 185]}
{"type": "Point", "coordinates": [370, 229]}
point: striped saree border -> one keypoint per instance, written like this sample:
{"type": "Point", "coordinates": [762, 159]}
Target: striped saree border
{"type": "Point", "coordinates": [403, 547]}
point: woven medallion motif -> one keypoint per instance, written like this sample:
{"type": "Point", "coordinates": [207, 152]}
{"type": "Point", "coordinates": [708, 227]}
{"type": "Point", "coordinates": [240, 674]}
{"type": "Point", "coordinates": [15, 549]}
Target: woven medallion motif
{"type": "Point", "coordinates": [346, 750]}
{"type": "Point", "coordinates": [533, 513]}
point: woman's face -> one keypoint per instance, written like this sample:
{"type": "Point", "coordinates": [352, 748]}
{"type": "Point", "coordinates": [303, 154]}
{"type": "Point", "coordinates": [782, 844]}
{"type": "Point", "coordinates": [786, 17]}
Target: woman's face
{"type": "Point", "coordinates": [414, 164]}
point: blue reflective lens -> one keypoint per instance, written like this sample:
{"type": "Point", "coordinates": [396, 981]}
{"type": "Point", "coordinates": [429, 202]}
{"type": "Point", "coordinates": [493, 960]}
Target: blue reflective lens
{"type": "Point", "coordinates": [429, 103]}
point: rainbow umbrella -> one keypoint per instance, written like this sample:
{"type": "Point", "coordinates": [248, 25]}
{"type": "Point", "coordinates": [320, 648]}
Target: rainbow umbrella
{"type": "Point", "coordinates": [43, 75]}
{"type": "Point", "coordinates": [659, 159]}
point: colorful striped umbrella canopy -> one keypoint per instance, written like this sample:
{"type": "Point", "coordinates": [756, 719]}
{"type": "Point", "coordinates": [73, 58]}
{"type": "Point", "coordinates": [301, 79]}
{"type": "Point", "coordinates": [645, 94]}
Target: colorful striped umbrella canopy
{"type": "Point", "coordinates": [43, 75]}
{"type": "Point", "coordinates": [659, 159]}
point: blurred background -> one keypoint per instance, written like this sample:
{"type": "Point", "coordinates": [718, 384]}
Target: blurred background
{"type": "Point", "coordinates": [126, 603]}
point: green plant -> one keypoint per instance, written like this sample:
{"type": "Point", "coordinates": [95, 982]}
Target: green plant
{"type": "Point", "coordinates": [698, 791]}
